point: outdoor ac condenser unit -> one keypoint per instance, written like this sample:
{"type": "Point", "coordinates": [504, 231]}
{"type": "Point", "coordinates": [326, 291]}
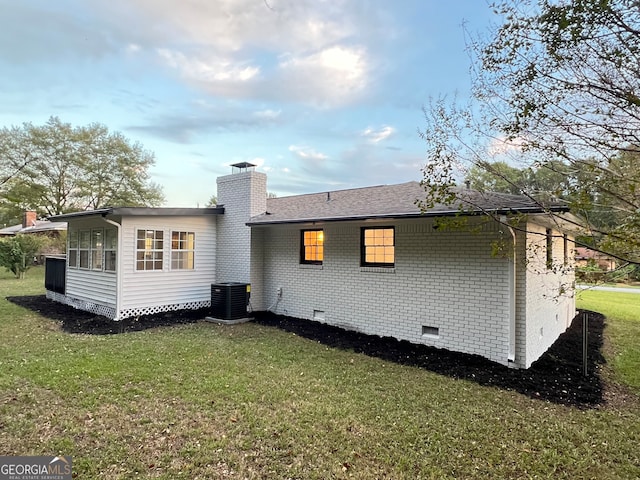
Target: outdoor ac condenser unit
{"type": "Point", "coordinates": [229, 300]}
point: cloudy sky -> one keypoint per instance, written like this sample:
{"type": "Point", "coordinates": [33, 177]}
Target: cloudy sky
{"type": "Point", "coordinates": [320, 94]}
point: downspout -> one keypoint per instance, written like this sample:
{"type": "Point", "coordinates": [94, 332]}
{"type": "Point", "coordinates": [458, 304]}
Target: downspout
{"type": "Point", "coordinates": [118, 266]}
{"type": "Point", "coordinates": [511, 357]}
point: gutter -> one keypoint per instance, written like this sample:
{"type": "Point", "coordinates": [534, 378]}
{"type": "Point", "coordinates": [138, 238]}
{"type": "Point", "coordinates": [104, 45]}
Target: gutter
{"type": "Point", "coordinates": [118, 266]}
{"type": "Point", "coordinates": [140, 211]}
{"type": "Point", "coordinates": [395, 216]}
{"type": "Point", "coordinates": [511, 357]}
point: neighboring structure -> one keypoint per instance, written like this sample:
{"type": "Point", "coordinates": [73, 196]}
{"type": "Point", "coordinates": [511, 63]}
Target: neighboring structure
{"type": "Point", "coordinates": [586, 257]}
{"type": "Point", "coordinates": [365, 259]}
{"type": "Point", "coordinates": [31, 224]}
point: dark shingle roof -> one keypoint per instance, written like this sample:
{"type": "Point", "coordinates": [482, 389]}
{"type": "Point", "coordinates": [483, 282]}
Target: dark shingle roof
{"type": "Point", "coordinates": [141, 211]}
{"type": "Point", "coordinates": [388, 201]}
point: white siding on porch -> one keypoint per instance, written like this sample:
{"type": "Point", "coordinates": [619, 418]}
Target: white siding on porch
{"type": "Point", "coordinates": [97, 287]}
{"type": "Point", "coordinates": [89, 285]}
{"type": "Point", "coordinates": [148, 291]}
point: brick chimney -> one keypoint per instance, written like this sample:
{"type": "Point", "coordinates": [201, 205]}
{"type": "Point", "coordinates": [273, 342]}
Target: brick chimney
{"type": "Point", "coordinates": [29, 218]}
{"type": "Point", "coordinates": [243, 195]}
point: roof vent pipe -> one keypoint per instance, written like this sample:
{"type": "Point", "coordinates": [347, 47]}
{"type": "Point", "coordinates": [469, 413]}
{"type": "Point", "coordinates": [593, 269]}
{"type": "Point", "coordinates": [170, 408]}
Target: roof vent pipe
{"type": "Point", "coordinates": [328, 196]}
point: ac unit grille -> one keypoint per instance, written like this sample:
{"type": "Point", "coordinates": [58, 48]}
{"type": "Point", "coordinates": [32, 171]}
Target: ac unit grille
{"type": "Point", "coordinates": [229, 300]}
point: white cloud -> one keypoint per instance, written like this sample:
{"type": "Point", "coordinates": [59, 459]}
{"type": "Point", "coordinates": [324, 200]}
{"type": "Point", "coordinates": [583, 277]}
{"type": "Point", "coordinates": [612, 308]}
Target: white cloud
{"type": "Point", "coordinates": [257, 161]}
{"type": "Point", "coordinates": [211, 69]}
{"type": "Point", "coordinates": [502, 146]}
{"type": "Point", "coordinates": [233, 25]}
{"type": "Point", "coordinates": [267, 114]}
{"type": "Point", "coordinates": [378, 135]}
{"type": "Point", "coordinates": [133, 48]}
{"type": "Point", "coordinates": [328, 78]}
{"type": "Point", "coordinates": [303, 51]}
{"type": "Point", "coordinates": [307, 153]}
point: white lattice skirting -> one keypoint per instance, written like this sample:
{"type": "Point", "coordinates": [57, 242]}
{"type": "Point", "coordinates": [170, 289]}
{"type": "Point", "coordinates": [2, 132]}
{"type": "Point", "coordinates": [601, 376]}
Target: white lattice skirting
{"type": "Point", "coordinates": [136, 312]}
{"type": "Point", "coordinates": [104, 310]}
{"type": "Point", "coordinates": [110, 312]}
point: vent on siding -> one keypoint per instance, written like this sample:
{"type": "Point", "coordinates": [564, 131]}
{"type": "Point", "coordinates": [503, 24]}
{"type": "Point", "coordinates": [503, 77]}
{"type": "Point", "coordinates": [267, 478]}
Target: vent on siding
{"type": "Point", "coordinates": [432, 332]}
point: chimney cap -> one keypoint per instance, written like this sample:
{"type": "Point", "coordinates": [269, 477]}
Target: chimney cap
{"type": "Point", "coordinates": [243, 166]}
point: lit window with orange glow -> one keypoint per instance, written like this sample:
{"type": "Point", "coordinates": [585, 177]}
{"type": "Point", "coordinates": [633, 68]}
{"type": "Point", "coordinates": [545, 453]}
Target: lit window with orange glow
{"type": "Point", "coordinates": [312, 246]}
{"type": "Point", "coordinates": [377, 247]}
{"type": "Point", "coordinates": [149, 249]}
{"type": "Point", "coordinates": [183, 247]}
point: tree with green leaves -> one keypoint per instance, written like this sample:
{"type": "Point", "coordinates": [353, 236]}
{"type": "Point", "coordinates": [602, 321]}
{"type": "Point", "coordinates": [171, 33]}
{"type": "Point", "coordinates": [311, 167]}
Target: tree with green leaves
{"type": "Point", "coordinates": [555, 84]}
{"type": "Point", "coordinates": [212, 202]}
{"type": "Point", "coordinates": [17, 253]}
{"type": "Point", "coordinates": [542, 183]}
{"type": "Point", "coordinates": [57, 168]}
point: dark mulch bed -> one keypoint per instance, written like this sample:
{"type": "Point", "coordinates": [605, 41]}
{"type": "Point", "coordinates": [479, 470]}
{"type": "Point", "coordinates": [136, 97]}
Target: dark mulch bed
{"type": "Point", "coordinates": [78, 321]}
{"type": "Point", "coordinates": [556, 377]}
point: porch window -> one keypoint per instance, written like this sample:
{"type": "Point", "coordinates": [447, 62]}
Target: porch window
{"type": "Point", "coordinates": [149, 249]}
{"type": "Point", "coordinates": [84, 243]}
{"type": "Point", "coordinates": [312, 247]}
{"type": "Point", "coordinates": [97, 239]}
{"type": "Point", "coordinates": [549, 235]}
{"type": "Point", "coordinates": [72, 255]}
{"type": "Point", "coordinates": [183, 245]}
{"type": "Point", "coordinates": [377, 247]}
{"type": "Point", "coordinates": [110, 249]}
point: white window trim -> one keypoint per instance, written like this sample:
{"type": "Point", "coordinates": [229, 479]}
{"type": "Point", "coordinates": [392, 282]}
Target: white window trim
{"type": "Point", "coordinates": [92, 249]}
{"type": "Point", "coordinates": [163, 250]}
{"type": "Point", "coordinates": [179, 250]}
{"type": "Point", "coordinates": [80, 249]}
{"type": "Point", "coordinates": [76, 249]}
{"type": "Point", "coordinates": [105, 250]}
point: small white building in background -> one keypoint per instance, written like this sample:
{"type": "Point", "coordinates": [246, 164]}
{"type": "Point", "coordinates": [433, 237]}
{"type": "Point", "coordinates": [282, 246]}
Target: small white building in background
{"type": "Point", "coordinates": [364, 259]}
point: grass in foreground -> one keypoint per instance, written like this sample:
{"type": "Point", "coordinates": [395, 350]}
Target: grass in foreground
{"type": "Point", "coordinates": [623, 329]}
{"type": "Point", "coordinates": [248, 401]}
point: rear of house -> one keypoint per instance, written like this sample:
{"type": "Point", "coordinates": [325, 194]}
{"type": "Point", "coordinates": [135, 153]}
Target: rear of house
{"type": "Point", "coordinates": [369, 260]}
{"type": "Point", "coordinates": [362, 259]}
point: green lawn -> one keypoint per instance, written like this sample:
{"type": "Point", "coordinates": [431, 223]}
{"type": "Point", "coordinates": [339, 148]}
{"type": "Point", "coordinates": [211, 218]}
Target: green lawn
{"type": "Point", "coordinates": [249, 401]}
{"type": "Point", "coordinates": [623, 329]}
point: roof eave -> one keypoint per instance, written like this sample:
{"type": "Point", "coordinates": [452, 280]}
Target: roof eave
{"type": "Point", "coordinates": [445, 213]}
{"type": "Point", "coordinates": [87, 213]}
{"type": "Point", "coordinates": [140, 212]}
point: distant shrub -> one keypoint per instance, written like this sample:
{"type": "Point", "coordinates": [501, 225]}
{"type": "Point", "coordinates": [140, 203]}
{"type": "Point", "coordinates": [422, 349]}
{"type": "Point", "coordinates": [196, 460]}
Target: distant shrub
{"type": "Point", "coordinates": [17, 253]}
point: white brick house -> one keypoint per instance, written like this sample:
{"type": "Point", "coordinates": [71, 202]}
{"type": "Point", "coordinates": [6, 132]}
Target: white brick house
{"type": "Point", "coordinates": [363, 259]}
